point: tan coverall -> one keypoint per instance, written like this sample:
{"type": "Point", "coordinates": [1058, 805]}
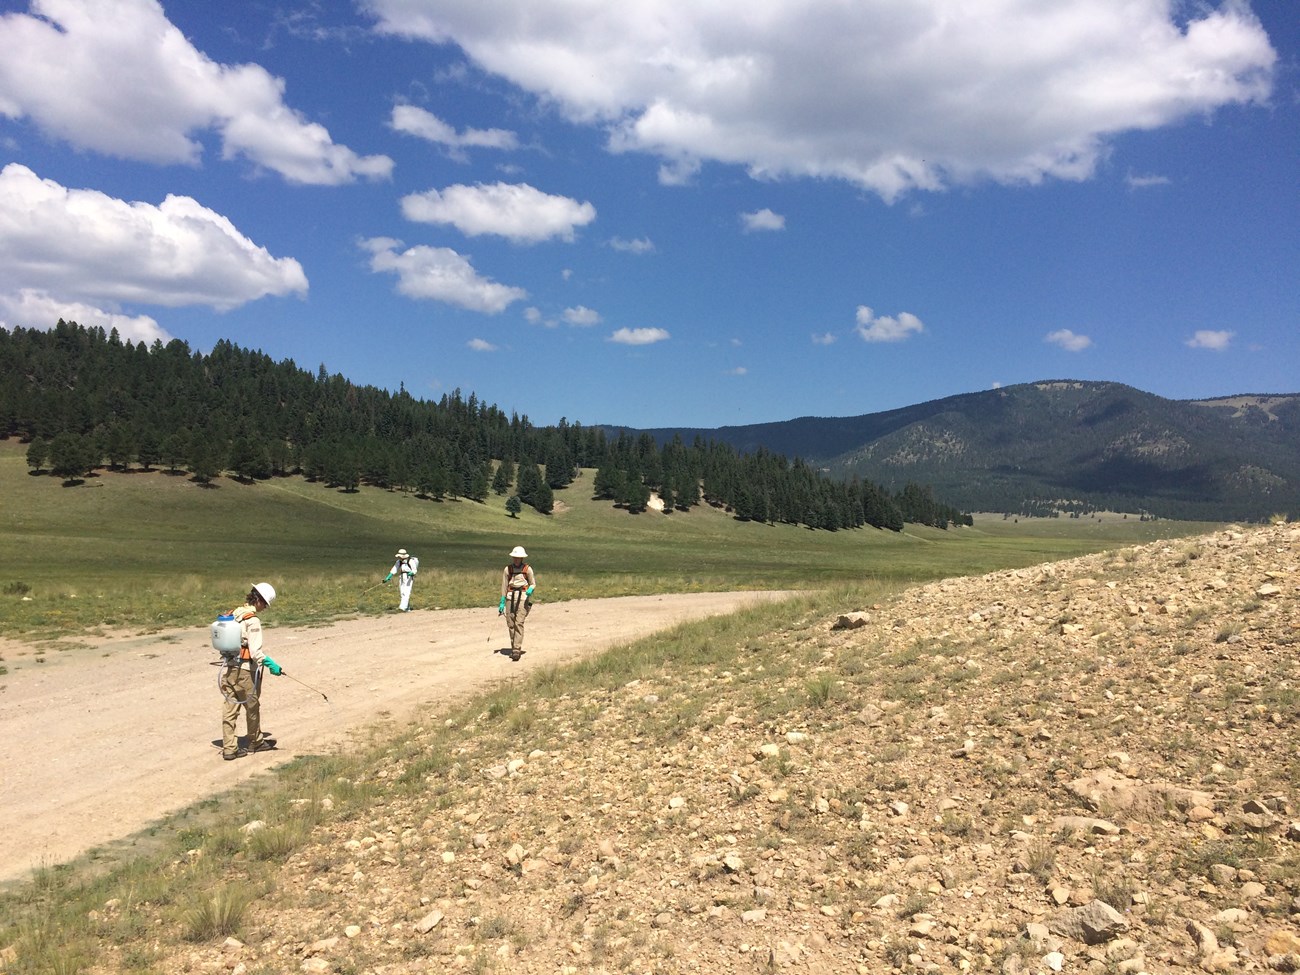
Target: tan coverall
{"type": "Point", "coordinates": [516, 578]}
{"type": "Point", "coordinates": [239, 685]}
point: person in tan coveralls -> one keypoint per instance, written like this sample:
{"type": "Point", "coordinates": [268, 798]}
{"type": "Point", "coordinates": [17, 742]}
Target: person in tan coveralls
{"type": "Point", "coordinates": [241, 678]}
{"type": "Point", "coordinates": [517, 584]}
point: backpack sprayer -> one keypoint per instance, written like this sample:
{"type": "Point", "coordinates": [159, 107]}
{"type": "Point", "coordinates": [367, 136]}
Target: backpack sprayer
{"type": "Point", "coordinates": [227, 639]}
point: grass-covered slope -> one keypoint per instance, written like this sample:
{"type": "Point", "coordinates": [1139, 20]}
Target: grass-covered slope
{"type": "Point", "coordinates": [149, 549]}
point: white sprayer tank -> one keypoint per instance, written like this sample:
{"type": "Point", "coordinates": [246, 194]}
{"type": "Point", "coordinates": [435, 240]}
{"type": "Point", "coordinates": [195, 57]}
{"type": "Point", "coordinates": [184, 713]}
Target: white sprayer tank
{"type": "Point", "coordinates": [226, 635]}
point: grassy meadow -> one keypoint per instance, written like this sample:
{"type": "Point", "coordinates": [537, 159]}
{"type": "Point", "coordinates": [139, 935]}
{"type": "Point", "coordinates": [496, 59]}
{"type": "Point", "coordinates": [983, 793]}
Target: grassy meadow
{"type": "Point", "coordinates": [147, 550]}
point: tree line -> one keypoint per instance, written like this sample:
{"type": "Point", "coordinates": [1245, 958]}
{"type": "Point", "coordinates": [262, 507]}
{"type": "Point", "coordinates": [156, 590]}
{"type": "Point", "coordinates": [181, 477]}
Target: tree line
{"type": "Point", "coordinates": [82, 398]}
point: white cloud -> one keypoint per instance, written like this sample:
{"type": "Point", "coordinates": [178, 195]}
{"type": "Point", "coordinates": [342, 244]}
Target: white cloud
{"type": "Point", "coordinates": [1209, 339]}
{"type": "Point", "coordinates": [532, 315]}
{"type": "Point", "coordinates": [641, 245]}
{"type": "Point", "coordinates": [1068, 340]}
{"type": "Point", "coordinates": [890, 95]}
{"type": "Point", "coordinates": [886, 329]}
{"type": "Point", "coordinates": [677, 172]}
{"type": "Point", "coordinates": [639, 336]}
{"type": "Point", "coordinates": [119, 79]}
{"type": "Point", "coordinates": [513, 210]}
{"type": "Point", "coordinates": [1135, 182]}
{"type": "Point", "coordinates": [763, 219]}
{"type": "Point", "coordinates": [440, 274]}
{"type": "Point", "coordinates": [582, 316]}
{"type": "Point", "coordinates": [425, 125]}
{"type": "Point", "coordinates": [85, 246]}
{"type": "Point", "coordinates": [36, 309]}
{"type": "Point", "coordinates": [481, 345]}
{"type": "Point", "coordinates": [825, 338]}
{"type": "Point", "coordinates": [738, 371]}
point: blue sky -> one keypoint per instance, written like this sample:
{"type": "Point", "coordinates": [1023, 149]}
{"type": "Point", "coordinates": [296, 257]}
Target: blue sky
{"type": "Point", "coordinates": [668, 213]}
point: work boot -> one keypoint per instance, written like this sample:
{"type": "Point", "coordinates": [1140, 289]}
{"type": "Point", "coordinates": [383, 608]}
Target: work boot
{"type": "Point", "coordinates": [516, 654]}
{"type": "Point", "coordinates": [263, 744]}
{"type": "Point", "coordinates": [231, 756]}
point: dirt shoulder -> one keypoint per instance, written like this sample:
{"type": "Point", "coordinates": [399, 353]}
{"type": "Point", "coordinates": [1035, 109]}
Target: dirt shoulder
{"type": "Point", "coordinates": [98, 743]}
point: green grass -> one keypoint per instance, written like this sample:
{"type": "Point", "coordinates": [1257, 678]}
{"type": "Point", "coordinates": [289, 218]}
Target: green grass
{"type": "Point", "coordinates": [152, 550]}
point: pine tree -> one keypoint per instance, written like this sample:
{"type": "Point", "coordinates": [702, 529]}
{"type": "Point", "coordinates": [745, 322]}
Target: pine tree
{"type": "Point", "coordinates": [529, 483]}
{"type": "Point", "coordinates": [479, 484]}
{"type": "Point", "coordinates": [37, 453]}
{"type": "Point", "coordinates": [502, 479]}
{"type": "Point", "coordinates": [148, 448]}
{"type": "Point", "coordinates": [608, 483]}
{"type": "Point", "coordinates": [544, 499]}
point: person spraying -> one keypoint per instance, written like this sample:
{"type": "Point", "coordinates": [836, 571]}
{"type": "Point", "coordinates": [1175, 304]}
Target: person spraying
{"type": "Point", "coordinates": [517, 585]}
{"type": "Point", "coordinates": [238, 637]}
{"type": "Point", "coordinates": [404, 568]}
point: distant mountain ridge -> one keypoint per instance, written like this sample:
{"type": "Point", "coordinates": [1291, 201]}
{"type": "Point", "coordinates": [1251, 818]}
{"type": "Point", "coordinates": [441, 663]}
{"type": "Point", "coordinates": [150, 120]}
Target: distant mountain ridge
{"type": "Point", "coordinates": [1064, 444]}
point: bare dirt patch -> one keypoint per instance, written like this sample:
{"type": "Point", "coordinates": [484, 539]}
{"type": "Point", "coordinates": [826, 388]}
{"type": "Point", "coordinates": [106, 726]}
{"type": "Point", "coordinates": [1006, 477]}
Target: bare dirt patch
{"type": "Point", "coordinates": [99, 741]}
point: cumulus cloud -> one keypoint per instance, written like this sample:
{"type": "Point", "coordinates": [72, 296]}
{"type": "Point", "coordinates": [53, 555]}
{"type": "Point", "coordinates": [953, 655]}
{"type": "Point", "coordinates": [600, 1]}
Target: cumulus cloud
{"type": "Point", "coordinates": [763, 219]}
{"type": "Point", "coordinates": [890, 95]}
{"type": "Point", "coordinates": [85, 246]}
{"type": "Point", "coordinates": [639, 336]}
{"type": "Point", "coordinates": [1210, 339]}
{"type": "Point", "coordinates": [481, 345]}
{"type": "Point", "coordinates": [440, 274]}
{"type": "Point", "coordinates": [675, 172]}
{"type": "Point", "coordinates": [1135, 182]}
{"type": "Point", "coordinates": [738, 371]}
{"type": "Point", "coordinates": [513, 210]}
{"type": "Point", "coordinates": [418, 122]}
{"type": "Point", "coordinates": [119, 79]}
{"type": "Point", "coordinates": [1068, 340]}
{"type": "Point", "coordinates": [824, 338]}
{"type": "Point", "coordinates": [885, 328]}
{"type": "Point", "coordinates": [38, 310]}
{"type": "Point", "coordinates": [582, 316]}
{"type": "Point", "coordinates": [640, 245]}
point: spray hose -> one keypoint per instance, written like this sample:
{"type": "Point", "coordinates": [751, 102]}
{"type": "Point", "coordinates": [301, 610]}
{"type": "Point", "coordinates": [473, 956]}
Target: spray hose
{"type": "Point", "coordinates": [257, 681]}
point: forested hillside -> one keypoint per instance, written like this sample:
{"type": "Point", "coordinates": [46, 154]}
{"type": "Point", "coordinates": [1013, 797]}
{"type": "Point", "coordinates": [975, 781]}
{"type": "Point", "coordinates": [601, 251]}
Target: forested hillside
{"type": "Point", "coordinates": [83, 399]}
{"type": "Point", "coordinates": [1062, 446]}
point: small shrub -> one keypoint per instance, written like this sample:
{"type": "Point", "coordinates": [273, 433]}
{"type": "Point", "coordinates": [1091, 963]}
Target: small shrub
{"type": "Point", "coordinates": [956, 824]}
{"type": "Point", "coordinates": [915, 904]}
{"type": "Point", "coordinates": [1040, 860]}
{"type": "Point", "coordinates": [275, 842]}
{"type": "Point", "coordinates": [820, 689]}
{"type": "Point", "coordinates": [17, 589]}
{"type": "Point", "coordinates": [1227, 631]}
{"type": "Point", "coordinates": [218, 915]}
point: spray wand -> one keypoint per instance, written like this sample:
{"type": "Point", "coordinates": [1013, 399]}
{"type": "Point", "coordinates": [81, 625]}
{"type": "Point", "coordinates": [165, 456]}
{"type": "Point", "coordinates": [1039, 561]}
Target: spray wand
{"type": "Point", "coordinates": [285, 673]}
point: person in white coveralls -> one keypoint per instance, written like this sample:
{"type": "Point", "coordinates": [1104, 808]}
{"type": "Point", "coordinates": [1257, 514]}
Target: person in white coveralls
{"type": "Point", "coordinates": [404, 568]}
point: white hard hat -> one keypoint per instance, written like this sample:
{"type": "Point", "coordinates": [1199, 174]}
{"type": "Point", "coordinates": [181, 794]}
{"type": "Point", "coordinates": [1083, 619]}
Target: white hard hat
{"type": "Point", "coordinates": [266, 591]}
{"type": "Point", "coordinates": [518, 552]}
{"type": "Point", "coordinates": [401, 553]}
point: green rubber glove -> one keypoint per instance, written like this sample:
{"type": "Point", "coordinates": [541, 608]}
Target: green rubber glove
{"type": "Point", "coordinates": [501, 606]}
{"type": "Point", "coordinates": [529, 592]}
{"type": "Point", "coordinates": [387, 577]}
{"type": "Point", "coordinates": [272, 666]}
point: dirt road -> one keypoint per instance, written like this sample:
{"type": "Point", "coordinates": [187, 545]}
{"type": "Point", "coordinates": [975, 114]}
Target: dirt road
{"type": "Point", "coordinates": [97, 743]}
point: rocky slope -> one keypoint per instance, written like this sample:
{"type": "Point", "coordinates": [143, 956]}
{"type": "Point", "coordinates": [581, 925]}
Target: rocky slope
{"type": "Point", "coordinates": [1089, 766]}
